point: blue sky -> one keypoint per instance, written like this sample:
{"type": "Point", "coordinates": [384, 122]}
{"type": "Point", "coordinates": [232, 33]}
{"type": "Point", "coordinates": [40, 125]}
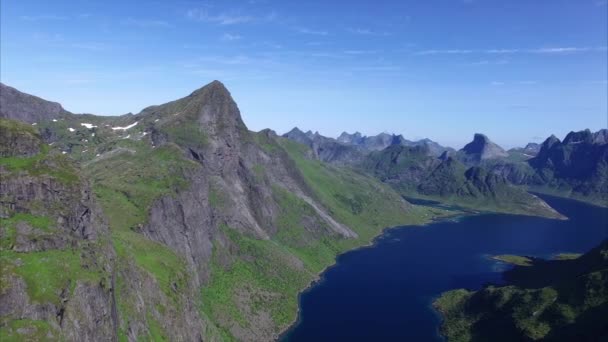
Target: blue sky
{"type": "Point", "coordinates": [515, 70]}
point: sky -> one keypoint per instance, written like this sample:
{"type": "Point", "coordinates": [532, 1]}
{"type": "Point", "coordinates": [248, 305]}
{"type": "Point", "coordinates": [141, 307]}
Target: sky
{"type": "Point", "coordinates": [517, 71]}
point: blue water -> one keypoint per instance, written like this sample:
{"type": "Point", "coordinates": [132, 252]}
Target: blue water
{"type": "Point", "coordinates": [384, 292]}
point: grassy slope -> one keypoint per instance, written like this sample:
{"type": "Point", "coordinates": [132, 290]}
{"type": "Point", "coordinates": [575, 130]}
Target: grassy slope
{"type": "Point", "coordinates": [126, 185]}
{"type": "Point", "coordinates": [271, 273]}
{"type": "Point", "coordinates": [572, 306]}
{"type": "Point", "coordinates": [45, 273]}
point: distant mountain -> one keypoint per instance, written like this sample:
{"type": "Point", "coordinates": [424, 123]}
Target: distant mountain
{"type": "Point", "coordinates": [384, 140]}
{"type": "Point", "coordinates": [324, 148]}
{"type": "Point", "coordinates": [415, 173]}
{"type": "Point", "coordinates": [578, 165]}
{"type": "Point", "coordinates": [481, 149]}
{"type": "Point", "coordinates": [556, 300]}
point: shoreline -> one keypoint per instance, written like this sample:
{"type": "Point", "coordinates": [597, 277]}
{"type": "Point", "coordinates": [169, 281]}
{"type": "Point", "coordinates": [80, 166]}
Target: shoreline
{"type": "Point", "coordinates": [318, 279]}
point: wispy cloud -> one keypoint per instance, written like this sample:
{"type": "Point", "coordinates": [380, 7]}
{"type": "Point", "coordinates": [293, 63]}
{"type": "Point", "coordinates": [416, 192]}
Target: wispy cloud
{"type": "Point", "coordinates": [543, 50]}
{"type": "Point", "coordinates": [230, 37]}
{"type": "Point", "coordinates": [366, 32]}
{"type": "Point", "coordinates": [305, 30]}
{"type": "Point", "coordinates": [490, 62]}
{"type": "Point", "coordinates": [360, 52]}
{"type": "Point", "coordinates": [567, 49]}
{"type": "Point", "coordinates": [43, 17]}
{"type": "Point", "coordinates": [444, 52]}
{"type": "Point", "coordinates": [221, 19]}
{"type": "Point", "coordinates": [497, 83]}
{"type": "Point", "coordinates": [228, 18]}
{"type": "Point", "coordinates": [147, 23]}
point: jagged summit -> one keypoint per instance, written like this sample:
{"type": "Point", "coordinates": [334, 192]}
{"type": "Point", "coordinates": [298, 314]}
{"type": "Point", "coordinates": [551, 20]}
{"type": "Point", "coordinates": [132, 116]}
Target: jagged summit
{"type": "Point", "coordinates": [482, 148]}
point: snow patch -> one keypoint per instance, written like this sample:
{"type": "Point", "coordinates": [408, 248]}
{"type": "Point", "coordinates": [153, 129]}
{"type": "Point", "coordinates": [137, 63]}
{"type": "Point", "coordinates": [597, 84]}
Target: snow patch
{"type": "Point", "coordinates": [88, 125]}
{"type": "Point", "coordinates": [156, 120]}
{"type": "Point", "coordinates": [63, 152]}
{"type": "Point", "coordinates": [54, 120]}
{"type": "Point", "coordinates": [92, 134]}
{"type": "Point", "coordinates": [126, 127]}
{"type": "Point", "coordinates": [71, 129]}
{"type": "Point", "coordinates": [34, 124]}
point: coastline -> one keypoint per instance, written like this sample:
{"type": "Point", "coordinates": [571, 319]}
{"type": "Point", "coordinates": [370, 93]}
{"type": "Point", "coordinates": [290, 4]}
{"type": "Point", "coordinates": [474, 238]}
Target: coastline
{"type": "Point", "coordinates": [318, 279]}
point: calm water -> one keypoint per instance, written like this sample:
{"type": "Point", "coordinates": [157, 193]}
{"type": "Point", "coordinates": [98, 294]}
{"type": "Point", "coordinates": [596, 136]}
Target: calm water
{"type": "Point", "coordinates": [384, 293]}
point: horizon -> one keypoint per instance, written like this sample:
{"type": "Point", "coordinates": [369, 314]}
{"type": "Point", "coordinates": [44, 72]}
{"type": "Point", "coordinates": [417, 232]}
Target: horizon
{"type": "Point", "coordinates": [515, 72]}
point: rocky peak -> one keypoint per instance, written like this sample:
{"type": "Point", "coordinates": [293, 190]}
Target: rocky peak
{"type": "Point", "coordinates": [216, 110]}
{"type": "Point", "coordinates": [299, 136]}
{"type": "Point", "coordinates": [350, 139]}
{"type": "Point", "coordinates": [579, 137]}
{"type": "Point", "coordinates": [532, 147]}
{"type": "Point", "coordinates": [27, 108]}
{"type": "Point", "coordinates": [483, 148]}
{"type": "Point", "coordinates": [601, 137]}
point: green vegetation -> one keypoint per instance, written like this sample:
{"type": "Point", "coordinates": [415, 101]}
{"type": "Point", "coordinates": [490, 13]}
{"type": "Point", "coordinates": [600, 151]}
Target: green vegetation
{"type": "Point", "coordinates": [7, 226]}
{"type": "Point", "coordinates": [27, 330]}
{"type": "Point", "coordinates": [566, 256]}
{"type": "Point", "coordinates": [513, 259]}
{"type": "Point", "coordinates": [43, 163]}
{"type": "Point", "coordinates": [47, 273]}
{"type": "Point", "coordinates": [265, 277]}
{"type": "Point", "coordinates": [563, 300]}
{"type": "Point", "coordinates": [126, 185]}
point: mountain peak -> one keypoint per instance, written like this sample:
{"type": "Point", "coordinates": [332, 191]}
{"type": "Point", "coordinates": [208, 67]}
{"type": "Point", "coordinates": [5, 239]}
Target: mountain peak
{"type": "Point", "coordinates": [483, 148]}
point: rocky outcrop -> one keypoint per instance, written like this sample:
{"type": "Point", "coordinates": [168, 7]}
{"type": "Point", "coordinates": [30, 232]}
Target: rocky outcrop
{"type": "Point", "coordinates": [27, 108]}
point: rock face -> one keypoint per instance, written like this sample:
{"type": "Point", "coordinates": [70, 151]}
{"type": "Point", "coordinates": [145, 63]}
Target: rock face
{"type": "Point", "coordinates": [27, 108]}
{"type": "Point", "coordinates": [52, 232]}
{"type": "Point", "coordinates": [481, 148]}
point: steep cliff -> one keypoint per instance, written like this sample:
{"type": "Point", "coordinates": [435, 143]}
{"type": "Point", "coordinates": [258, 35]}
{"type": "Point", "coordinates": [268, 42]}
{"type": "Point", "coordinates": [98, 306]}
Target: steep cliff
{"type": "Point", "coordinates": [57, 262]}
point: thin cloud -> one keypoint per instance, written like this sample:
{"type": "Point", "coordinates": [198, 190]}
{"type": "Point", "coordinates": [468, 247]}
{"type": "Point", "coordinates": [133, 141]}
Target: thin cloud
{"type": "Point", "coordinates": [544, 50]}
{"type": "Point", "coordinates": [230, 37]}
{"type": "Point", "coordinates": [147, 23]}
{"type": "Point", "coordinates": [304, 30]}
{"type": "Point", "coordinates": [567, 49]}
{"type": "Point", "coordinates": [360, 52]}
{"type": "Point", "coordinates": [489, 62]}
{"type": "Point", "coordinates": [443, 52]}
{"type": "Point", "coordinates": [221, 19]}
{"type": "Point", "coordinates": [43, 17]}
{"type": "Point", "coordinates": [366, 32]}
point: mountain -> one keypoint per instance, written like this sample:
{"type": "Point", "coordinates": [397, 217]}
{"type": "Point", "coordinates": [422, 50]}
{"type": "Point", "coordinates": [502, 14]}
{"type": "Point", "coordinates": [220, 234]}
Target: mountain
{"type": "Point", "coordinates": [27, 108]}
{"type": "Point", "coordinates": [557, 300]}
{"type": "Point", "coordinates": [414, 172]}
{"type": "Point", "coordinates": [576, 167]}
{"type": "Point", "coordinates": [175, 223]}
{"type": "Point", "coordinates": [324, 148]}
{"type": "Point", "coordinates": [384, 140]}
{"type": "Point", "coordinates": [481, 149]}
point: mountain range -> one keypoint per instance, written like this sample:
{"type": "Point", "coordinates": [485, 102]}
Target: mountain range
{"type": "Point", "coordinates": [179, 223]}
{"type": "Point", "coordinates": [175, 223]}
